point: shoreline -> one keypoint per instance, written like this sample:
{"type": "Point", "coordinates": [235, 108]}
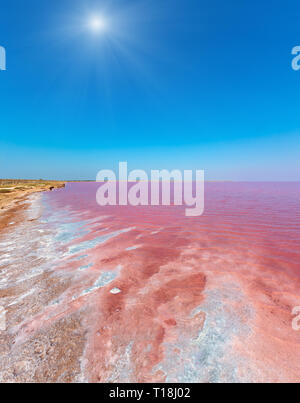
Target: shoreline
{"type": "Point", "coordinates": [30, 287]}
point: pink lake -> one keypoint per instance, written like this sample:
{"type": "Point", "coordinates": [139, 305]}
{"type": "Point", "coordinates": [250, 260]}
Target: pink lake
{"type": "Point", "coordinates": [168, 298]}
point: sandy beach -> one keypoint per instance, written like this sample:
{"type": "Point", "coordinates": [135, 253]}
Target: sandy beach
{"type": "Point", "coordinates": [91, 294]}
{"type": "Point", "coordinates": [13, 196]}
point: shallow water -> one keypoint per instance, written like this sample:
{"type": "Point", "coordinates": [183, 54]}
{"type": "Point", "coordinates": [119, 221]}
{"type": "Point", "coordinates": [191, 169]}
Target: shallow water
{"type": "Point", "coordinates": [160, 296]}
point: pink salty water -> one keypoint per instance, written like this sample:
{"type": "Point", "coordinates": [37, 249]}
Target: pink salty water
{"type": "Point", "coordinates": [172, 298]}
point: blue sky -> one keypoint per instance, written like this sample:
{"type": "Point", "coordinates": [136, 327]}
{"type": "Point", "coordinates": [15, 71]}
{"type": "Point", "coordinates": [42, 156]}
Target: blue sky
{"type": "Point", "coordinates": [187, 84]}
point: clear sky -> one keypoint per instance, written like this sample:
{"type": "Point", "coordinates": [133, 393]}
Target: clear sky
{"type": "Point", "coordinates": [186, 84]}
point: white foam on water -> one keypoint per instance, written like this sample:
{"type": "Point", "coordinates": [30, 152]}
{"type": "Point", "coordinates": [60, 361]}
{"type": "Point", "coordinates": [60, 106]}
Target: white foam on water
{"type": "Point", "coordinates": [133, 247]}
{"type": "Point", "coordinates": [115, 291]}
{"type": "Point", "coordinates": [86, 245]}
{"type": "Point", "coordinates": [23, 296]}
{"type": "Point", "coordinates": [104, 279]}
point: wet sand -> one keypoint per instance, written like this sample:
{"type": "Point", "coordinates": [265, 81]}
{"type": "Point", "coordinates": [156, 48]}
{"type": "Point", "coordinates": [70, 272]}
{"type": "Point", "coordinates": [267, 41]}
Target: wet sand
{"type": "Point", "coordinates": [51, 355]}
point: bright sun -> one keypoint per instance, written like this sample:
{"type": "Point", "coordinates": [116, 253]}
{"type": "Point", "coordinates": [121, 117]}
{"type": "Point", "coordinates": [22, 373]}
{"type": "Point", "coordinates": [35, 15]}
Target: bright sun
{"type": "Point", "coordinates": [97, 24]}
